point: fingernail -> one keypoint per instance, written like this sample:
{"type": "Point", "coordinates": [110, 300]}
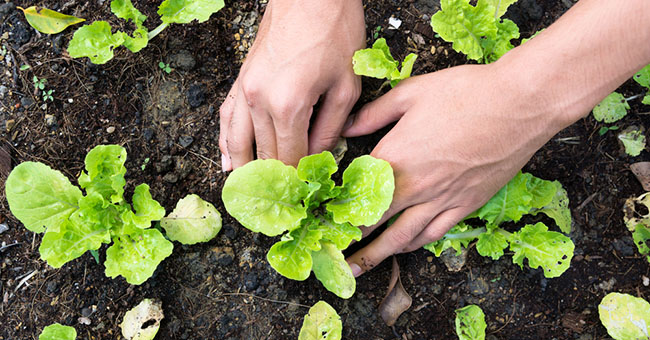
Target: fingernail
{"type": "Point", "coordinates": [356, 270]}
{"type": "Point", "coordinates": [349, 122]}
{"type": "Point", "coordinates": [226, 165]}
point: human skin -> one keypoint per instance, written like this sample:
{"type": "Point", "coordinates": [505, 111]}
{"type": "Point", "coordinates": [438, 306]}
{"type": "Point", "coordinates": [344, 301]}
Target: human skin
{"type": "Point", "coordinates": [302, 53]}
{"type": "Point", "coordinates": [464, 132]}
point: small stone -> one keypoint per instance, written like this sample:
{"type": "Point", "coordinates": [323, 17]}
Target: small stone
{"type": "Point", "coordinates": [646, 281]}
{"type": "Point", "coordinates": [164, 165]}
{"type": "Point", "coordinates": [26, 102]}
{"type": "Point", "coordinates": [237, 36]}
{"type": "Point", "coordinates": [70, 100]}
{"type": "Point", "coordinates": [147, 133]}
{"type": "Point", "coordinates": [195, 95]}
{"type": "Point", "coordinates": [51, 286]}
{"type": "Point", "coordinates": [3, 91]}
{"type": "Point", "coordinates": [185, 140]}
{"type": "Point", "coordinates": [9, 124]}
{"type": "Point", "coordinates": [454, 262]}
{"type": "Point", "coordinates": [607, 285]}
{"type": "Point", "coordinates": [86, 312]}
{"type": "Point", "coordinates": [250, 281]}
{"type": "Point", "coordinates": [170, 178]}
{"type": "Point", "coordinates": [478, 286]}
{"type": "Point", "coordinates": [3, 228]}
{"type": "Point", "coordinates": [84, 320]}
{"type": "Point", "coordinates": [6, 9]}
{"type": "Point", "coordinates": [110, 129]}
{"type": "Point", "coordinates": [183, 60]}
{"type": "Point", "coordinates": [50, 120]}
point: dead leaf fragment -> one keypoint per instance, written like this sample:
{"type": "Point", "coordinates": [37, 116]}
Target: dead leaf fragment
{"type": "Point", "coordinates": [397, 300]}
{"type": "Point", "coordinates": [642, 172]}
{"type": "Point", "coordinates": [142, 322]}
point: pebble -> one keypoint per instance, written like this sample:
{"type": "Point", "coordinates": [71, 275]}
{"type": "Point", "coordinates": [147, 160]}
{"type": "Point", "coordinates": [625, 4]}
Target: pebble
{"type": "Point", "coordinates": [3, 228]}
{"type": "Point", "coordinates": [84, 320]}
{"type": "Point", "coordinates": [3, 91]}
{"type": "Point", "coordinates": [50, 120]}
{"type": "Point", "coordinates": [183, 60]}
{"type": "Point", "coordinates": [453, 262]}
{"type": "Point", "coordinates": [250, 281]}
{"type": "Point", "coordinates": [607, 285]}
{"type": "Point", "coordinates": [9, 124]}
{"type": "Point", "coordinates": [147, 133]}
{"type": "Point", "coordinates": [195, 95]}
{"type": "Point", "coordinates": [185, 140]}
{"type": "Point", "coordinates": [26, 102]}
{"type": "Point", "coordinates": [170, 178]}
{"type": "Point", "coordinates": [164, 165]}
{"type": "Point", "coordinates": [646, 281]}
{"type": "Point", "coordinates": [110, 129]}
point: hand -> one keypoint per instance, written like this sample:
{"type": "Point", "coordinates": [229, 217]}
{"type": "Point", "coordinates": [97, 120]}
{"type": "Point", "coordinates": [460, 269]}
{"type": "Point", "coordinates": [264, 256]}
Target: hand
{"type": "Point", "coordinates": [302, 53]}
{"type": "Point", "coordinates": [462, 134]}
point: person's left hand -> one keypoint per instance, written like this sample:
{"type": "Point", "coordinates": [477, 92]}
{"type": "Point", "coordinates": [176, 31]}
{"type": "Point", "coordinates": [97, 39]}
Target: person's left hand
{"type": "Point", "coordinates": [462, 134]}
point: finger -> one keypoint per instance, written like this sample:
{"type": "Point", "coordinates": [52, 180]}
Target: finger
{"type": "Point", "coordinates": [377, 114]}
{"type": "Point", "coordinates": [291, 136]}
{"type": "Point", "coordinates": [264, 133]}
{"type": "Point", "coordinates": [326, 130]}
{"type": "Point", "coordinates": [240, 135]}
{"type": "Point", "coordinates": [437, 228]}
{"type": "Point", "coordinates": [225, 116]}
{"type": "Point", "coordinates": [399, 235]}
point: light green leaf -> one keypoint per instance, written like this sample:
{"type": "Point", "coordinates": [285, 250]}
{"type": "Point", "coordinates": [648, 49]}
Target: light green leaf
{"type": "Point", "coordinates": [147, 313]}
{"type": "Point", "coordinates": [266, 196]}
{"type": "Point", "coordinates": [136, 256]}
{"type": "Point", "coordinates": [643, 77]}
{"type": "Point", "coordinates": [138, 41]}
{"type": "Point", "coordinates": [339, 234]}
{"type": "Point", "coordinates": [105, 172]}
{"type": "Point", "coordinates": [465, 25]}
{"type": "Point", "coordinates": [633, 140]}
{"type": "Point", "coordinates": [291, 257]}
{"type": "Point", "coordinates": [457, 238]}
{"type": "Point", "coordinates": [124, 9]}
{"type": "Point", "coordinates": [491, 244]}
{"type": "Point", "coordinates": [192, 221]}
{"type": "Point", "coordinates": [523, 41]}
{"type": "Point", "coordinates": [633, 217]}
{"type": "Point", "coordinates": [507, 30]}
{"type": "Point", "coordinates": [71, 241]}
{"type": "Point", "coordinates": [542, 191]}
{"type": "Point", "coordinates": [407, 68]}
{"type": "Point", "coordinates": [500, 6]}
{"type": "Point", "coordinates": [58, 332]}
{"type": "Point", "coordinates": [646, 99]}
{"type": "Point", "coordinates": [547, 249]}
{"type": "Point", "coordinates": [318, 168]}
{"type": "Point", "coordinates": [367, 192]}
{"type": "Point", "coordinates": [40, 197]}
{"type": "Point", "coordinates": [373, 63]}
{"type": "Point", "coordinates": [470, 323]}
{"type": "Point", "coordinates": [382, 45]}
{"type": "Point", "coordinates": [48, 21]}
{"type": "Point", "coordinates": [333, 271]}
{"type": "Point", "coordinates": [146, 209]}
{"type": "Point", "coordinates": [95, 41]}
{"type": "Point", "coordinates": [611, 109]}
{"type": "Point", "coordinates": [509, 204]}
{"type": "Point", "coordinates": [641, 236]}
{"type": "Point", "coordinates": [626, 317]}
{"type": "Point", "coordinates": [322, 323]}
{"type": "Point", "coordinates": [558, 208]}
{"type": "Point", "coordinates": [185, 11]}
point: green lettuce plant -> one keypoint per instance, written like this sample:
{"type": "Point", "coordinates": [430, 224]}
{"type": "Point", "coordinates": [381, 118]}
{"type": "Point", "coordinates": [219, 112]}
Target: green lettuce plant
{"type": "Point", "coordinates": [626, 317]}
{"type": "Point", "coordinates": [58, 332]}
{"type": "Point", "coordinates": [470, 323]}
{"type": "Point", "coordinates": [523, 195]}
{"type": "Point", "coordinates": [97, 40]}
{"type": "Point", "coordinates": [44, 200]}
{"type": "Point", "coordinates": [318, 218]}
{"type": "Point", "coordinates": [377, 62]}
{"type": "Point", "coordinates": [322, 323]}
{"type": "Point", "coordinates": [477, 31]}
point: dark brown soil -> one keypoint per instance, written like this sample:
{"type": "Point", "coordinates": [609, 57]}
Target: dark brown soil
{"type": "Point", "coordinates": [225, 289]}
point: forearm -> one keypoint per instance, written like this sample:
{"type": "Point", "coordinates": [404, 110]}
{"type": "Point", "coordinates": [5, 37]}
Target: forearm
{"type": "Point", "coordinates": [584, 56]}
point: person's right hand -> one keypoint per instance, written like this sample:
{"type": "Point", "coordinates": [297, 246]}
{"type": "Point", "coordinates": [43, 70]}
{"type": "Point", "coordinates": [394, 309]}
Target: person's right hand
{"type": "Point", "coordinates": [303, 52]}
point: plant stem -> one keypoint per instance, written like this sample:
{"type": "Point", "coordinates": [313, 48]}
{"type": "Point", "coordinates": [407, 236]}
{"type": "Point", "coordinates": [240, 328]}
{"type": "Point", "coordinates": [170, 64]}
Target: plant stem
{"type": "Point", "coordinates": [634, 97]}
{"type": "Point", "coordinates": [157, 31]}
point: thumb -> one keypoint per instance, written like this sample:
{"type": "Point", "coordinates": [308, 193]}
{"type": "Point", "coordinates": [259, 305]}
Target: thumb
{"type": "Point", "coordinates": [376, 114]}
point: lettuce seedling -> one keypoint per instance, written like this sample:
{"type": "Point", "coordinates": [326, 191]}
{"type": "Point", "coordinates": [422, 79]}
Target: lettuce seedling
{"type": "Point", "coordinates": [44, 200]}
{"type": "Point", "coordinates": [97, 41]}
{"type": "Point", "coordinates": [470, 323]}
{"type": "Point", "coordinates": [320, 219]}
{"type": "Point", "coordinates": [626, 317]}
{"type": "Point", "coordinates": [524, 194]}
{"type": "Point", "coordinates": [477, 31]}
{"type": "Point", "coordinates": [633, 140]}
{"type": "Point", "coordinates": [377, 62]}
{"type": "Point", "coordinates": [58, 332]}
{"type": "Point", "coordinates": [643, 78]}
{"type": "Point", "coordinates": [322, 323]}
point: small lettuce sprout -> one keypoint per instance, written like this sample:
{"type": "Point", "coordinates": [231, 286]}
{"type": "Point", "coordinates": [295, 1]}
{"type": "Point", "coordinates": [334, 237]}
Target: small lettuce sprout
{"type": "Point", "coordinates": [638, 224]}
{"type": "Point", "coordinates": [318, 218]}
{"type": "Point", "coordinates": [643, 78]}
{"type": "Point", "coordinates": [97, 41]}
{"type": "Point", "coordinates": [48, 21]}
{"type": "Point", "coordinates": [322, 323]}
{"type": "Point", "coordinates": [626, 317]}
{"type": "Point", "coordinates": [377, 62]}
{"type": "Point", "coordinates": [633, 139]}
{"type": "Point", "coordinates": [194, 220]}
{"type": "Point", "coordinates": [58, 332]}
{"type": "Point", "coordinates": [470, 323]}
{"type": "Point", "coordinates": [142, 321]}
{"type": "Point", "coordinates": [44, 200]}
{"type": "Point", "coordinates": [525, 194]}
{"type": "Point", "coordinates": [611, 109]}
{"type": "Point", "coordinates": [477, 31]}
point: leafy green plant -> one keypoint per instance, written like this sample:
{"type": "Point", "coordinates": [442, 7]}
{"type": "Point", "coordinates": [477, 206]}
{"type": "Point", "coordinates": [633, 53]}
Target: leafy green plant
{"type": "Point", "coordinates": [320, 219]}
{"type": "Point", "coordinates": [615, 106]}
{"type": "Point", "coordinates": [523, 195]}
{"type": "Point", "coordinates": [48, 21]}
{"type": "Point", "coordinates": [44, 200]}
{"type": "Point", "coordinates": [633, 139]}
{"type": "Point", "coordinates": [165, 67]}
{"type": "Point", "coordinates": [47, 95]}
{"type": "Point", "coordinates": [58, 332]}
{"type": "Point", "coordinates": [604, 129]}
{"type": "Point", "coordinates": [322, 323]}
{"type": "Point", "coordinates": [477, 31]}
{"type": "Point", "coordinates": [470, 323]}
{"type": "Point", "coordinates": [97, 41]}
{"type": "Point", "coordinates": [643, 78]}
{"type": "Point", "coordinates": [39, 84]}
{"type": "Point", "coordinates": [638, 223]}
{"type": "Point", "coordinates": [377, 62]}
{"type": "Point", "coordinates": [626, 317]}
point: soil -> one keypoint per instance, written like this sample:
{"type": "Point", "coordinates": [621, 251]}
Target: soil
{"type": "Point", "coordinates": [225, 289]}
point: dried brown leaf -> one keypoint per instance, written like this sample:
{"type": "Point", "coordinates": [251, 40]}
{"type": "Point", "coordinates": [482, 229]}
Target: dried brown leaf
{"type": "Point", "coordinates": [642, 172]}
{"type": "Point", "coordinates": [397, 300]}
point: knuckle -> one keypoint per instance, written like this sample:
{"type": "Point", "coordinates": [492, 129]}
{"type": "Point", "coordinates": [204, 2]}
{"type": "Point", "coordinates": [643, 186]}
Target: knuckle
{"type": "Point", "coordinates": [401, 236]}
{"type": "Point", "coordinates": [264, 155]}
{"type": "Point", "coordinates": [252, 92]}
{"type": "Point", "coordinates": [225, 111]}
{"type": "Point", "coordinates": [235, 145]}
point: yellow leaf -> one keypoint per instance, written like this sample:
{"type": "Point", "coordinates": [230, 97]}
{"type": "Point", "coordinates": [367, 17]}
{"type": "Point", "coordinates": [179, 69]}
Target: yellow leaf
{"type": "Point", "coordinates": [48, 21]}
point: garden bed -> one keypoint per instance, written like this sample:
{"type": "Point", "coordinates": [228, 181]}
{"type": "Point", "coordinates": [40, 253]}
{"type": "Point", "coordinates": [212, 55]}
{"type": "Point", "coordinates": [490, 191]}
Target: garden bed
{"type": "Point", "coordinates": [225, 289]}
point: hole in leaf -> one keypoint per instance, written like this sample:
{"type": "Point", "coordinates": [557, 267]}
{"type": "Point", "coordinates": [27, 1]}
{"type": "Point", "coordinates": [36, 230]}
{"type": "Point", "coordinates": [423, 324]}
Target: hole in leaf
{"type": "Point", "coordinates": [148, 323]}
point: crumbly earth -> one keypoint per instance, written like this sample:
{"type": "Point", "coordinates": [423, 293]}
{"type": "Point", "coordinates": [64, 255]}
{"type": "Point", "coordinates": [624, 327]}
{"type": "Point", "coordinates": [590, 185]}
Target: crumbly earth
{"type": "Point", "coordinates": [225, 289]}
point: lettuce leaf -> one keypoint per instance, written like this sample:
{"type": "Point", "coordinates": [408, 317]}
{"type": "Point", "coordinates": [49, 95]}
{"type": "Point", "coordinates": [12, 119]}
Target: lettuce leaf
{"type": "Point", "coordinates": [192, 221]}
{"type": "Point", "coordinates": [470, 323]}
{"type": "Point", "coordinates": [377, 62]}
{"type": "Point", "coordinates": [40, 197]}
{"type": "Point", "coordinates": [460, 236]}
{"type": "Point", "coordinates": [58, 332]}
{"type": "Point", "coordinates": [146, 209]}
{"type": "Point", "coordinates": [322, 323]}
{"type": "Point", "coordinates": [137, 256]}
{"type": "Point", "coordinates": [626, 317]}
{"type": "Point", "coordinates": [643, 78]}
{"type": "Point", "coordinates": [542, 248]}
{"type": "Point", "coordinates": [367, 191]}
{"type": "Point", "coordinates": [317, 170]}
{"type": "Point", "coordinates": [509, 204]}
{"type": "Point", "coordinates": [291, 257]}
{"type": "Point", "coordinates": [71, 241]}
{"type": "Point", "coordinates": [633, 139]}
{"type": "Point", "coordinates": [557, 208]}
{"type": "Point", "coordinates": [105, 172]}
{"type": "Point", "coordinates": [333, 271]}
{"type": "Point", "coordinates": [339, 234]}
{"type": "Point", "coordinates": [95, 41]}
{"type": "Point", "coordinates": [491, 244]}
{"type": "Point", "coordinates": [611, 109]}
{"type": "Point", "coordinates": [186, 11]}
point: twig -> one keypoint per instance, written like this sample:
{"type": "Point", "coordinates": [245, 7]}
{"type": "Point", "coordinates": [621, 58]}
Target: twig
{"type": "Point", "coordinates": [264, 299]}
{"type": "Point", "coordinates": [2, 249]}
{"type": "Point", "coordinates": [25, 279]}
{"type": "Point", "coordinates": [589, 199]}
